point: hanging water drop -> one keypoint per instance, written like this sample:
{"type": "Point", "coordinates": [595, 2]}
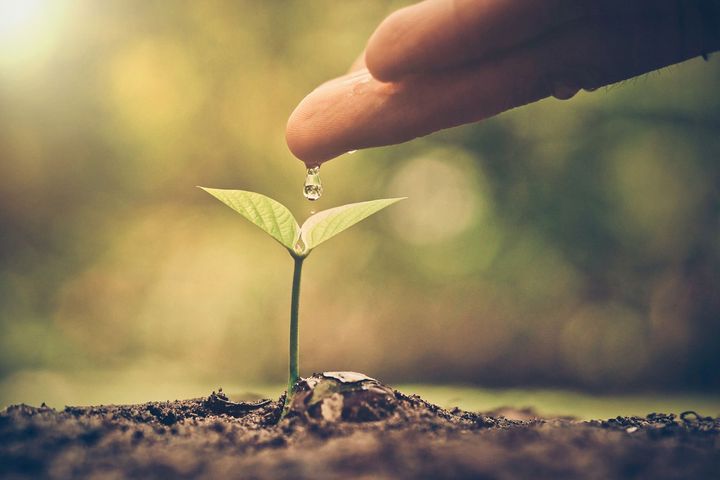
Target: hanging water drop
{"type": "Point", "coordinates": [313, 188]}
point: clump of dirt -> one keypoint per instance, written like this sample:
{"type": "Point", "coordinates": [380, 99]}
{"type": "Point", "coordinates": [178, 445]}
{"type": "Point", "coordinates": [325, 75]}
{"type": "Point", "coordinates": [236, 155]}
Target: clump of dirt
{"type": "Point", "coordinates": [342, 425]}
{"type": "Point", "coordinates": [346, 396]}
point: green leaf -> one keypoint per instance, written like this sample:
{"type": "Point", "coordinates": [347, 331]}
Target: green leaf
{"type": "Point", "coordinates": [326, 224]}
{"type": "Point", "coordinates": [268, 214]}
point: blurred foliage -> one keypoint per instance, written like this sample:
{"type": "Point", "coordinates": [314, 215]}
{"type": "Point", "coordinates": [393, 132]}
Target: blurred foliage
{"type": "Point", "coordinates": [562, 244]}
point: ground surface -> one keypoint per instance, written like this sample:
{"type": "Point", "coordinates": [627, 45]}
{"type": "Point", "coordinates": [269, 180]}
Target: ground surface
{"type": "Point", "coordinates": [398, 437]}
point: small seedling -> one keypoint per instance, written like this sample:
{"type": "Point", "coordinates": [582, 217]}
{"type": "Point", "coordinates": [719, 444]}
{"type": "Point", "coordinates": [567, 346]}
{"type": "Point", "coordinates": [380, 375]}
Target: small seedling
{"type": "Point", "coordinates": [277, 221]}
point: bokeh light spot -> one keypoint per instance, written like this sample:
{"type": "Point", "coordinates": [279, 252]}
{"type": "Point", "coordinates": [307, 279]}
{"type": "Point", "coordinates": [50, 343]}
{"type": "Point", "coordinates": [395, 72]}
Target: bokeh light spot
{"type": "Point", "coordinates": [444, 200]}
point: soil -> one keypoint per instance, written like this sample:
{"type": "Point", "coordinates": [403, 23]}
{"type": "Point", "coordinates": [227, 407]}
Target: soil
{"type": "Point", "coordinates": [346, 427]}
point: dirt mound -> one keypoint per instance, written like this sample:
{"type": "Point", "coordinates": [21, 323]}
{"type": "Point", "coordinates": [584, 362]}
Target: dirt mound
{"type": "Point", "coordinates": [337, 429]}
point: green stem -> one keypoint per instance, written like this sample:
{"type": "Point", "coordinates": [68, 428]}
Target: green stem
{"type": "Point", "coordinates": [294, 313]}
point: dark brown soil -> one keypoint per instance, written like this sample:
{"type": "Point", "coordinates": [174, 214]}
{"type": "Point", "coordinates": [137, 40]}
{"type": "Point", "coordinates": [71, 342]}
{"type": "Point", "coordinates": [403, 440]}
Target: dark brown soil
{"type": "Point", "coordinates": [215, 438]}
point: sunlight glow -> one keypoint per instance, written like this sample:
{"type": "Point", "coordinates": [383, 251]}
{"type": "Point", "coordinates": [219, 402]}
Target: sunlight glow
{"type": "Point", "coordinates": [27, 29]}
{"type": "Point", "coordinates": [18, 16]}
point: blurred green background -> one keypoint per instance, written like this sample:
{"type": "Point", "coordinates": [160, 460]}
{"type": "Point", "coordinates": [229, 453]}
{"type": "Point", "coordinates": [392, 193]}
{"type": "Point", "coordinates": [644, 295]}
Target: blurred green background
{"type": "Point", "coordinates": [571, 245]}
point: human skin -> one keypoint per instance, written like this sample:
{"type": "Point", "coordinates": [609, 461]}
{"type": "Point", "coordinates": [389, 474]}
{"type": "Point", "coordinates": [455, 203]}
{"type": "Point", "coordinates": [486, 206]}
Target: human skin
{"type": "Point", "coordinates": [442, 63]}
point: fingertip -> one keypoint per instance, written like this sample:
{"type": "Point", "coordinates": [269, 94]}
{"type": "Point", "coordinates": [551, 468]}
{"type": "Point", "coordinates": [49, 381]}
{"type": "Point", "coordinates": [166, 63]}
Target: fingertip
{"type": "Point", "coordinates": [309, 132]}
{"type": "Point", "coordinates": [298, 141]}
{"type": "Point", "coordinates": [329, 121]}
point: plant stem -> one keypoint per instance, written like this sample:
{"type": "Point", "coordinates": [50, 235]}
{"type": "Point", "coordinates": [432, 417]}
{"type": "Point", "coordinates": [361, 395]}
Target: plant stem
{"type": "Point", "coordinates": [294, 313]}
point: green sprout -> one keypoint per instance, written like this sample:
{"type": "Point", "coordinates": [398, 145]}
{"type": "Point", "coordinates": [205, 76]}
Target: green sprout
{"type": "Point", "coordinates": [277, 221]}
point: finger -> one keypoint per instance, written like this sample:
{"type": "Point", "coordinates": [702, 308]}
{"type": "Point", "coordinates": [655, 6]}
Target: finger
{"type": "Point", "coordinates": [357, 111]}
{"type": "Point", "coordinates": [436, 34]}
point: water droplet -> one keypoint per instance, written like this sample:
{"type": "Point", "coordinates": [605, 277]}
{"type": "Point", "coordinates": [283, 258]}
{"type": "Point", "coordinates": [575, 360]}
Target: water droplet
{"type": "Point", "coordinates": [351, 152]}
{"type": "Point", "coordinates": [313, 188]}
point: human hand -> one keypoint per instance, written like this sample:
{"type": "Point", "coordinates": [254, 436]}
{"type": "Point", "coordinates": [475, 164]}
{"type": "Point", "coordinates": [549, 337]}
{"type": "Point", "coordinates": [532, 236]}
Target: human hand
{"type": "Point", "coordinates": [443, 63]}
